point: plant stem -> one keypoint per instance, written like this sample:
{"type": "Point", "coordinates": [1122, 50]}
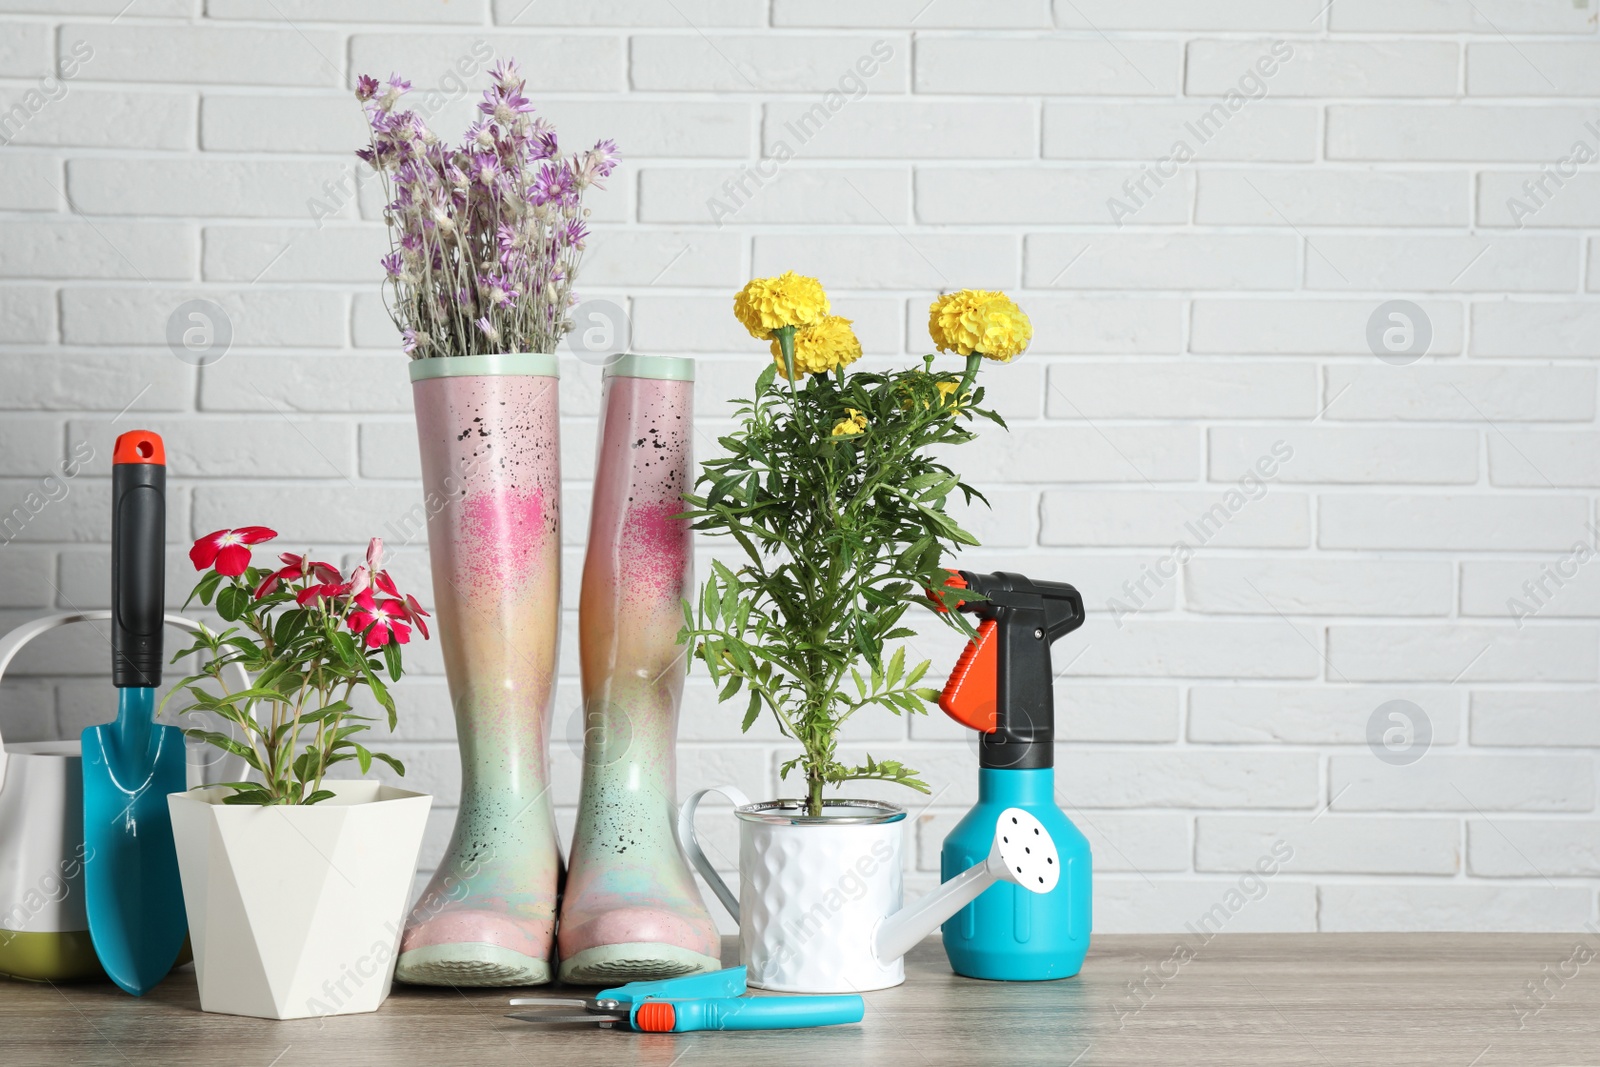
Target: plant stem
{"type": "Point", "coordinates": [974, 361]}
{"type": "Point", "coordinates": [250, 735]}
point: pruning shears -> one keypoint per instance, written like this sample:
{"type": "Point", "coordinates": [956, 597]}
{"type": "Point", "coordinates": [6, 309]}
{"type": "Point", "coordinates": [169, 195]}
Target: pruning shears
{"type": "Point", "coordinates": [697, 1002]}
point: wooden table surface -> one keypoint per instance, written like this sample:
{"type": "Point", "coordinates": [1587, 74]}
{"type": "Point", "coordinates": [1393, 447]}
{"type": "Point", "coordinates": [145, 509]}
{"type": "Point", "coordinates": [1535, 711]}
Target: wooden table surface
{"type": "Point", "coordinates": [1268, 999]}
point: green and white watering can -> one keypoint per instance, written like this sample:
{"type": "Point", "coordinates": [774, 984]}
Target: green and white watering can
{"type": "Point", "coordinates": [44, 929]}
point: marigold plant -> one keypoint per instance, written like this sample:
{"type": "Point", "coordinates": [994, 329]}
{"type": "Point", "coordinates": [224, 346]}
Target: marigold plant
{"type": "Point", "coordinates": [831, 489]}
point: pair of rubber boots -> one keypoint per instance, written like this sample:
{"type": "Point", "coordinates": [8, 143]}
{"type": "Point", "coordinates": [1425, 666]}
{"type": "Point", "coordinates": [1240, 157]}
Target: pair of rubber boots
{"type": "Point", "coordinates": [502, 909]}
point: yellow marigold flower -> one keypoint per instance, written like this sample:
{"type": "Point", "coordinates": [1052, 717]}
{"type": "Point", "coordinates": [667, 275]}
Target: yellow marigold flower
{"type": "Point", "coordinates": [790, 299]}
{"type": "Point", "coordinates": [818, 348]}
{"type": "Point", "coordinates": [976, 320]}
{"type": "Point", "coordinates": [853, 423]}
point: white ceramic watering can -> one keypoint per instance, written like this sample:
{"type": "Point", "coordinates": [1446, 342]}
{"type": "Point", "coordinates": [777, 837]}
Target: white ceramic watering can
{"type": "Point", "coordinates": [819, 906]}
{"type": "Point", "coordinates": [44, 931]}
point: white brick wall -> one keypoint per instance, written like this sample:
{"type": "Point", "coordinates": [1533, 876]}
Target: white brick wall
{"type": "Point", "coordinates": [1417, 538]}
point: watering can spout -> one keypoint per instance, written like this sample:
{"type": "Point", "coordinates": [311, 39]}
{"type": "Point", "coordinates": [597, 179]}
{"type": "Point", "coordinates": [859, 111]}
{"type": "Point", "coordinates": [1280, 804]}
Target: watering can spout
{"type": "Point", "coordinates": [1022, 853]}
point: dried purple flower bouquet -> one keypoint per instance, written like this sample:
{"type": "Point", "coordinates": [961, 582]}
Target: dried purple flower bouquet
{"type": "Point", "coordinates": [485, 238]}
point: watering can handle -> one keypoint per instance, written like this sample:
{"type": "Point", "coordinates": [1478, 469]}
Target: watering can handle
{"type": "Point", "coordinates": [691, 846]}
{"type": "Point", "coordinates": [12, 643]}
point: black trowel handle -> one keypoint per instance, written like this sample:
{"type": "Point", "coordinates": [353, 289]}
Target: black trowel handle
{"type": "Point", "coordinates": [138, 559]}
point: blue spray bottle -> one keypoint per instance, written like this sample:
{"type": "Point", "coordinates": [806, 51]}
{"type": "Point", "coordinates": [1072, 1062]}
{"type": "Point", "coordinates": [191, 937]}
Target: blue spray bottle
{"type": "Point", "coordinates": [1002, 688]}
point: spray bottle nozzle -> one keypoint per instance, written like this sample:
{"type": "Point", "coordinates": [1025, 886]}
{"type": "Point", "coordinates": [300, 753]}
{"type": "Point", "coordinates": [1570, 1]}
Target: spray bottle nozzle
{"type": "Point", "coordinates": [1002, 684]}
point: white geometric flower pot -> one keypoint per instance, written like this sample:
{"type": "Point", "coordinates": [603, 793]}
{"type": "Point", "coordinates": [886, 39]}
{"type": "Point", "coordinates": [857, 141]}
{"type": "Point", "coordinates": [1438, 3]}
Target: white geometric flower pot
{"type": "Point", "coordinates": [296, 911]}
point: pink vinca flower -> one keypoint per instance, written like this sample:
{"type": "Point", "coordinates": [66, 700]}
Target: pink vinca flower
{"type": "Point", "coordinates": [228, 550]}
{"type": "Point", "coordinates": [381, 621]}
{"type": "Point", "coordinates": [415, 613]}
{"type": "Point", "coordinates": [322, 572]}
{"type": "Point", "coordinates": [313, 593]}
{"type": "Point", "coordinates": [413, 610]}
{"type": "Point", "coordinates": [296, 567]}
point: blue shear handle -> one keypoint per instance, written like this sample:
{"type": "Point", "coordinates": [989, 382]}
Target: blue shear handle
{"type": "Point", "coordinates": [766, 1013]}
{"type": "Point", "coordinates": [728, 982]}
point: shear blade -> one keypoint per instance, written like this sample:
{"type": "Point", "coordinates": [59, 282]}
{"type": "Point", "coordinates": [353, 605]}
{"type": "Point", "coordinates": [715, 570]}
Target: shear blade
{"type": "Point", "coordinates": [550, 1018]}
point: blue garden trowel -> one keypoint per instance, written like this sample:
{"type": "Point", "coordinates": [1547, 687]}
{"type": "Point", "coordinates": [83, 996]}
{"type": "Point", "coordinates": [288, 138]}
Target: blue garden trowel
{"type": "Point", "coordinates": [131, 886]}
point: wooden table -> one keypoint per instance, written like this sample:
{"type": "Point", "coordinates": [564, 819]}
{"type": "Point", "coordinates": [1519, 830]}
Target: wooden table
{"type": "Point", "coordinates": [1267, 999]}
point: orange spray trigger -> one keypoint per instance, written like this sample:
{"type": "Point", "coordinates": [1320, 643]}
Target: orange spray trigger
{"type": "Point", "coordinates": [972, 695]}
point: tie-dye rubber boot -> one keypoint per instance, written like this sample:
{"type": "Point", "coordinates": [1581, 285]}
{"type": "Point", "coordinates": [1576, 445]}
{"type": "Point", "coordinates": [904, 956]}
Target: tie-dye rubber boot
{"type": "Point", "coordinates": [488, 427]}
{"type": "Point", "coordinates": [631, 910]}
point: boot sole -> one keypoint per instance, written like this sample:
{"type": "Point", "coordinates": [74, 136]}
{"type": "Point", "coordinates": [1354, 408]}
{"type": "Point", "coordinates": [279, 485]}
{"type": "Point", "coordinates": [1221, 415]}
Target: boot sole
{"type": "Point", "coordinates": [639, 961]}
{"type": "Point", "coordinates": [470, 964]}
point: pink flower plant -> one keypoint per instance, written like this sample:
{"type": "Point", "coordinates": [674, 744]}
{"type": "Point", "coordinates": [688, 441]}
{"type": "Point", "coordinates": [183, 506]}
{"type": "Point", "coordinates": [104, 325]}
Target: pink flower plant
{"type": "Point", "coordinates": [308, 637]}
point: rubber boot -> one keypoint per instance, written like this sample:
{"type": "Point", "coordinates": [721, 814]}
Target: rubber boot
{"type": "Point", "coordinates": [632, 910]}
{"type": "Point", "coordinates": [488, 428]}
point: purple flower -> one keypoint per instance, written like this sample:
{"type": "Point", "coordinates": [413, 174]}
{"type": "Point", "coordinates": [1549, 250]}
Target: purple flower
{"type": "Point", "coordinates": [485, 169]}
{"type": "Point", "coordinates": [410, 173]}
{"type": "Point", "coordinates": [505, 106]}
{"type": "Point", "coordinates": [487, 231]}
{"type": "Point", "coordinates": [595, 165]}
{"type": "Point", "coordinates": [438, 216]}
{"type": "Point", "coordinates": [412, 128]}
{"type": "Point", "coordinates": [500, 290]}
{"type": "Point", "coordinates": [513, 244]}
{"type": "Point", "coordinates": [480, 137]}
{"type": "Point", "coordinates": [552, 185]}
{"type": "Point", "coordinates": [398, 87]}
{"type": "Point", "coordinates": [609, 157]}
{"type": "Point", "coordinates": [506, 75]}
{"type": "Point", "coordinates": [397, 125]}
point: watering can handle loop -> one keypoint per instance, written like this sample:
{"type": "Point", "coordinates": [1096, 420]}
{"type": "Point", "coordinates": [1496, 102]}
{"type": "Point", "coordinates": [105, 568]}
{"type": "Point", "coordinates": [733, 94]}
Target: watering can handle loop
{"type": "Point", "coordinates": [12, 643]}
{"type": "Point", "coordinates": [691, 846]}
